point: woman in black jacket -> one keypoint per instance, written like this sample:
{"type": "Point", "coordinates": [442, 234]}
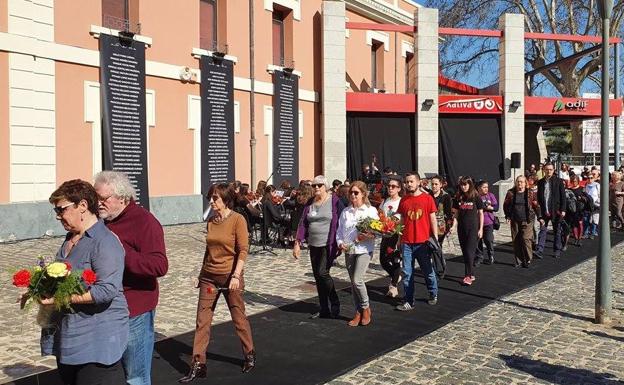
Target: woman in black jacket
{"type": "Point", "coordinates": [468, 211]}
{"type": "Point", "coordinates": [271, 212]}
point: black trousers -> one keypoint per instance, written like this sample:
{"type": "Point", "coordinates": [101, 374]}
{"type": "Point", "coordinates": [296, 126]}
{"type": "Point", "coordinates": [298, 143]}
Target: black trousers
{"type": "Point", "coordinates": [391, 262]}
{"type": "Point", "coordinates": [92, 374]}
{"type": "Point", "coordinates": [486, 243]}
{"type": "Point", "coordinates": [468, 241]}
{"type": "Point", "coordinates": [324, 282]}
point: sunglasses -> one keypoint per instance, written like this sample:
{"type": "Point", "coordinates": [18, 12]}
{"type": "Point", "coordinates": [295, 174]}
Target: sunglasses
{"type": "Point", "coordinates": [59, 210]}
{"type": "Point", "coordinates": [318, 185]}
{"type": "Point", "coordinates": [394, 186]}
{"type": "Point", "coordinates": [356, 193]}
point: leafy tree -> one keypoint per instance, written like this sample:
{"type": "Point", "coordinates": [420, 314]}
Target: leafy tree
{"type": "Point", "coordinates": [474, 57]}
{"type": "Point", "coordinates": [559, 140]}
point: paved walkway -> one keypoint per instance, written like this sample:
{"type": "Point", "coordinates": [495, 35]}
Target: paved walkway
{"type": "Point", "coordinates": [543, 334]}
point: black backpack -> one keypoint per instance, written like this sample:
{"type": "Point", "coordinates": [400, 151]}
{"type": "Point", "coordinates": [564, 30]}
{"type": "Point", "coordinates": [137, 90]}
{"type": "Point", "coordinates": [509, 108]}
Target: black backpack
{"type": "Point", "coordinates": [571, 202]}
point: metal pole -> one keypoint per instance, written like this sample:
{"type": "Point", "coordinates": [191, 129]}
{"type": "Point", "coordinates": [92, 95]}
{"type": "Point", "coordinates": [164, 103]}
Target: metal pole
{"type": "Point", "coordinates": [603, 262]}
{"type": "Point", "coordinates": [252, 95]}
{"type": "Point", "coordinates": [616, 96]}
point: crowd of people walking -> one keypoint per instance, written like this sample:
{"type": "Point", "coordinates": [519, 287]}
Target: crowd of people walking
{"type": "Point", "coordinates": [124, 244]}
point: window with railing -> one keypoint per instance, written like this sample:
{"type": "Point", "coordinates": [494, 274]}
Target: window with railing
{"type": "Point", "coordinates": [377, 65]}
{"type": "Point", "coordinates": [208, 25]}
{"type": "Point", "coordinates": [410, 68]}
{"type": "Point", "coordinates": [278, 37]}
{"type": "Point", "coordinates": [282, 25]}
{"type": "Point", "coordinates": [122, 15]}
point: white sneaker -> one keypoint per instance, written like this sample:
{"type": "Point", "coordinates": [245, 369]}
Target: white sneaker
{"type": "Point", "coordinates": [405, 306]}
{"type": "Point", "coordinates": [393, 292]}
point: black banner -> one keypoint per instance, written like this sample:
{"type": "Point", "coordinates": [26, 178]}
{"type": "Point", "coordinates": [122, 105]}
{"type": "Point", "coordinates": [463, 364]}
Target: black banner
{"type": "Point", "coordinates": [217, 121]}
{"type": "Point", "coordinates": [124, 143]}
{"type": "Point", "coordinates": [389, 137]}
{"type": "Point", "coordinates": [471, 146]}
{"type": "Point", "coordinates": [286, 128]}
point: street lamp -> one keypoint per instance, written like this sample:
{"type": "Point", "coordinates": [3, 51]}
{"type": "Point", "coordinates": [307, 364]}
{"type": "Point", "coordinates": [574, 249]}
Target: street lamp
{"type": "Point", "coordinates": [603, 262]}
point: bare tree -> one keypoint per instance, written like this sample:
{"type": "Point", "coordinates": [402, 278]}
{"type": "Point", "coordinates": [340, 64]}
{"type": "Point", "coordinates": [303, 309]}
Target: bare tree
{"type": "Point", "coordinates": [460, 57]}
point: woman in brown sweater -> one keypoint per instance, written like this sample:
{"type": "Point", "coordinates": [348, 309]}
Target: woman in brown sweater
{"type": "Point", "coordinates": [227, 242]}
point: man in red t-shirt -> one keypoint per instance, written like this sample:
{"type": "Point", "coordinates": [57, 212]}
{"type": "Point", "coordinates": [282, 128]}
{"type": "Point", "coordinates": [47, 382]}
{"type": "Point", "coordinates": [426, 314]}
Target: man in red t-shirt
{"type": "Point", "coordinates": [418, 215]}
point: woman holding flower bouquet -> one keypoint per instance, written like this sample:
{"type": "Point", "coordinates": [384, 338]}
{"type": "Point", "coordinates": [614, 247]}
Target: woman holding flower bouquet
{"type": "Point", "coordinates": [358, 248]}
{"type": "Point", "coordinates": [89, 340]}
{"type": "Point", "coordinates": [227, 243]}
{"type": "Point", "coordinates": [389, 254]}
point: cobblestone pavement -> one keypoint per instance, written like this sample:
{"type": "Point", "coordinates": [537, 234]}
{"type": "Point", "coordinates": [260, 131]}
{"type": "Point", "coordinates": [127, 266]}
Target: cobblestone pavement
{"type": "Point", "coordinates": [542, 334]}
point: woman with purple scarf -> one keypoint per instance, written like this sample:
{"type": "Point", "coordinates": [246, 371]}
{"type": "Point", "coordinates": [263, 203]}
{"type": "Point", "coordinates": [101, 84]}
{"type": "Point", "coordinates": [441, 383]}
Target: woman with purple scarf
{"type": "Point", "coordinates": [317, 227]}
{"type": "Point", "coordinates": [490, 206]}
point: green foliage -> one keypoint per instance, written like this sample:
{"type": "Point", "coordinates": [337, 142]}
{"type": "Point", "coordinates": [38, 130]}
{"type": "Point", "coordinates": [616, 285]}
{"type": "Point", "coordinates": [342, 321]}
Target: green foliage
{"type": "Point", "coordinates": [559, 140]}
{"type": "Point", "coordinates": [65, 287]}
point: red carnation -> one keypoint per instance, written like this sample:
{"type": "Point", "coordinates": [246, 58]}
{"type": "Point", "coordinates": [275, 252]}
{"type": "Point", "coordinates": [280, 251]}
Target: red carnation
{"type": "Point", "coordinates": [210, 290]}
{"type": "Point", "coordinates": [389, 208]}
{"type": "Point", "coordinates": [21, 278]}
{"type": "Point", "coordinates": [69, 266]}
{"type": "Point", "coordinates": [389, 250]}
{"type": "Point", "coordinates": [89, 277]}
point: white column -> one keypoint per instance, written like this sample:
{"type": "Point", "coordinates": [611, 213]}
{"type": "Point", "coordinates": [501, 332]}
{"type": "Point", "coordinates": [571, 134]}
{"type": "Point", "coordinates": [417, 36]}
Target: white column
{"type": "Point", "coordinates": [511, 84]}
{"type": "Point", "coordinates": [32, 117]}
{"type": "Point", "coordinates": [334, 115]}
{"type": "Point", "coordinates": [427, 68]}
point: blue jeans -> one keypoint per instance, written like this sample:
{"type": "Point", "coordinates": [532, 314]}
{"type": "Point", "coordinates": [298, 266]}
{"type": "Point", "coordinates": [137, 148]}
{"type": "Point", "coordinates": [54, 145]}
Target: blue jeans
{"type": "Point", "coordinates": [418, 252]}
{"type": "Point", "coordinates": [137, 359]}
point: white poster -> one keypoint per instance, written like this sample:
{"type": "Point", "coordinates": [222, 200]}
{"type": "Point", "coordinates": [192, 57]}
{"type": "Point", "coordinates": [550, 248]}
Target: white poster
{"type": "Point", "coordinates": [591, 131]}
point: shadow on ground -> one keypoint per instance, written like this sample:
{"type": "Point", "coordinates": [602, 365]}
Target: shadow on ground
{"type": "Point", "coordinates": [558, 374]}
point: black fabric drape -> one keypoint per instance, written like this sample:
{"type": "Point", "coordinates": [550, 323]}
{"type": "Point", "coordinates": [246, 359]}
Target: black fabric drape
{"type": "Point", "coordinates": [471, 146]}
{"type": "Point", "coordinates": [389, 136]}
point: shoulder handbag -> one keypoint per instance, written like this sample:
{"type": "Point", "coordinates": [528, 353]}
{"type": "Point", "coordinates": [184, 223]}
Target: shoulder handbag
{"type": "Point", "coordinates": [496, 224]}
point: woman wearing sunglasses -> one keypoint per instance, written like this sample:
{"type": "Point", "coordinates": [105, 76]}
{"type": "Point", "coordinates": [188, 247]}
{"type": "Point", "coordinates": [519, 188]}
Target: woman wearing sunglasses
{"type": "Point", "coordinates": [227, 243]}
{"type": "Point", "coordinates": [89, 341]}
{"type": "Point", "coordinates": [317, 227]}
{"type": "Point", "coordinates": [389, 254]}
{"type": "Point", "coordinates": [358, 248]}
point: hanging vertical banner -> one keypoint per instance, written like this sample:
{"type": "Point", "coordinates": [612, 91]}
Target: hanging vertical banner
{"type": "Point", "coordinates": [124, 143]}
{"type": "Point", "coordinates": [285, 127]}
{"type": "Point", "coordinates": [217, 121]}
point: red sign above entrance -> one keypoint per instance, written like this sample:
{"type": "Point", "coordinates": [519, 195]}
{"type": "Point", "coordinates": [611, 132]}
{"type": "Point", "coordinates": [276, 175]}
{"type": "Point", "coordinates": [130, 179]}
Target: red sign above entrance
{"type": "Point", "coordinates": [466, 104]}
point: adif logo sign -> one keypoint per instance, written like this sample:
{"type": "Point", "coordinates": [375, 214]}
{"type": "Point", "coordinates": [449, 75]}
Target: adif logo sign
{"type": "Point", "coordinates": [578, 105]}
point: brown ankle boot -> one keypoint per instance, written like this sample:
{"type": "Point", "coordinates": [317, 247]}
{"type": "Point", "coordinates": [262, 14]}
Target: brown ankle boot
{"type": "Point", "coordinates": [366, 316]}
{"type": "Point", "coordinates": [356, 319]}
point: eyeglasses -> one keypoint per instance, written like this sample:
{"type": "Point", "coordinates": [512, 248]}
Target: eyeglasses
{"type": "Point", "coordinates": [394, 186]}
{"type": "Point", "coordinates": [59, 210]}
{"type": "Point", "coordinates": [102, 199]}
{"type": "Point", "coordinates": [356, 193]}
{"type": "Point", "coordinates": [318, 185]}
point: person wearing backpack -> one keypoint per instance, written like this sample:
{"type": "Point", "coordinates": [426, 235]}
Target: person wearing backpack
{"type": "Point", "coordinates": [593, 190]}
{"type": "Point", "coordinates": [578, 204]}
